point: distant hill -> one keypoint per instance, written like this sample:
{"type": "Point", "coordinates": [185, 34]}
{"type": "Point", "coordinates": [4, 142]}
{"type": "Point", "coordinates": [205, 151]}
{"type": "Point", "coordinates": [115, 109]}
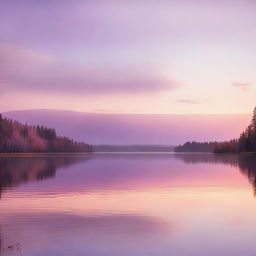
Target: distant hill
{"type": "Point", "coordinates": [132, 148]}
{"type": "Point", "coordinates": [127, 129]}
{"type": "Point", "coordinates": [17, 137]}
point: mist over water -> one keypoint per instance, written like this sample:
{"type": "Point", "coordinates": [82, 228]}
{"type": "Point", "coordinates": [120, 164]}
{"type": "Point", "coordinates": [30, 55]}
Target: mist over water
{"type": "Point", "coordinates": [128, 204]}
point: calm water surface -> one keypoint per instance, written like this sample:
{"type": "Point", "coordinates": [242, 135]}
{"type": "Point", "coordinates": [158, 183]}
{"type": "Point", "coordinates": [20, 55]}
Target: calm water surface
{"type": "Point", "coordinates": [128, 204]}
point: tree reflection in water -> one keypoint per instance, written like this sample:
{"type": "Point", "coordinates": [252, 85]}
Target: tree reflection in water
{"type": "Point", "coordinates": [245, 162]}
{"type": "Point", "coordinates": [17, 170]}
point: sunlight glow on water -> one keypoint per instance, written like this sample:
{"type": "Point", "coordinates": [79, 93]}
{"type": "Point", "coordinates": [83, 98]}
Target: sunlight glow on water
{"type": "Point", "coordinates": [128, 204]}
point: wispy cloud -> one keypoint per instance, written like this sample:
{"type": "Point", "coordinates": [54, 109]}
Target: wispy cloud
{"type": "Point", "coordinates": [242, 86]}
{"type": "Point", "coordinates": [188, 101]}
{"type": "Point", "coordinates": [109, 23]}
{"type": "Point", "coordinates": [23, 69]}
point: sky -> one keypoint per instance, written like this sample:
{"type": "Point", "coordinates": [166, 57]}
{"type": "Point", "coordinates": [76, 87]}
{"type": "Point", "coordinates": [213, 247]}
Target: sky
{"type": "Point", "coordinates": [130, 129]}
{"type": "Point", "coordinates": [139, 57]}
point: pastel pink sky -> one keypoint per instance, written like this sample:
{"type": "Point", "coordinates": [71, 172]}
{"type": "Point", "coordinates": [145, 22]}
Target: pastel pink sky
{"type": "Point", "coordinates": [177, 57]}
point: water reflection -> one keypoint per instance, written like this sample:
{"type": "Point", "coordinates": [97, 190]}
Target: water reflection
{"type": "Point", "coordinates": [247, 166]}
{"type": "Point", "coordinates": [70, 227]}
{"type": "Point", "coordinates": [59, 223]}
{"type": "Point", "coordinates": [190, 158]}
{"type": "Point", "coordinates": [123, 171]}
{"type": "Point", "coordinates": [17, 170]}
{"type": "Point", "coordinates": [1, 247]}
{"type": "Point", "coordinates": [245, 162]}
{"type": "Point", "coordinates": [128, 204]}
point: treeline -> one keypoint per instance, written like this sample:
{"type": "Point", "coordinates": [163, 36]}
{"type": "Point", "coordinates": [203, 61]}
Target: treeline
{"type": "Point", "coordinates": [196, 147]}
{"type": "Point", "coordinates": [245, 143]}
{"type": "Point", "coordinates": [17, 137]}
{"type": "Point", "coordinates": [230, 146]}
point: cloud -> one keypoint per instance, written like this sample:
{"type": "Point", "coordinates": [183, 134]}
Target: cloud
{"type": "Point", "coordinates": [126, 23]}
{"type": "Point", "coordinates": [242, 86]}
{"type": "Point", "coordinates": [23, 69]}
{"type": "Point", "coordinates": [187, 101]}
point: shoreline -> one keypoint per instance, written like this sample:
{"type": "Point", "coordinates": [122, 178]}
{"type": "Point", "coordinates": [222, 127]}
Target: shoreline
{"type": "Point", "coordinates": [44, 154]}
{"type": "Point", "coordinates": [33, 154]}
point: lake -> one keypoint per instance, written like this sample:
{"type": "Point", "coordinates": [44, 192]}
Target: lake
{"type": "Point", "coordinates": [128, 205]}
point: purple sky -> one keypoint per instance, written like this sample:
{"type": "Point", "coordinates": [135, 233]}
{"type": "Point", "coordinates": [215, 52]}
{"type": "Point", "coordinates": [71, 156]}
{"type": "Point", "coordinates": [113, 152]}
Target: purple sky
{"type": "Point", "coordinates": [136, 129]}
{"type": "Point", "coordinates": [179, 57]}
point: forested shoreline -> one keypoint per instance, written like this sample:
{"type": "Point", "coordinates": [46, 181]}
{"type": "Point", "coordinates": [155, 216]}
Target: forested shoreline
{"type": "Point", "coordinates": [245, 143]}
{"type": "Point", "coordinates": [16, 137]}
{"type": "Point", "coordinates": [196, 147]}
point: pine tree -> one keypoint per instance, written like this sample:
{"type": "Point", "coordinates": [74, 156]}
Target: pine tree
{"type": "Point", "coordinates": [253, 124]}
{"type": "Point", "coordinates": [247, 140]}
{"type": "Point", "coordinates": [254, 119]}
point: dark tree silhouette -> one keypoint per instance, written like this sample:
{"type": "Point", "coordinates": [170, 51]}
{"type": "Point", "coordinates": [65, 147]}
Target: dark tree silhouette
{"type": "Point", "coordinates": [196, 147]}
{"type": "Point", "coordinates": [227, 146]}
{"type": "Point", "coordinates": [17, 137]}
{"type": "Point", "coordinates": [245, 143]}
